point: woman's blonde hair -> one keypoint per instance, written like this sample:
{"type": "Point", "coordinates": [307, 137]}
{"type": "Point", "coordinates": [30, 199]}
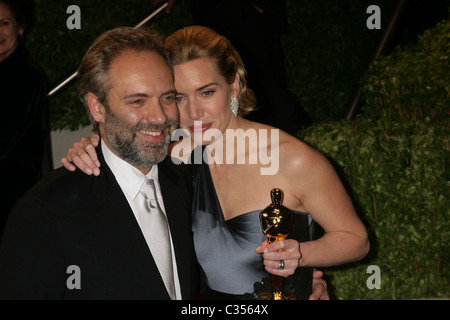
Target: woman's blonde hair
{"type": "Point", "coordinates": [196, 42]}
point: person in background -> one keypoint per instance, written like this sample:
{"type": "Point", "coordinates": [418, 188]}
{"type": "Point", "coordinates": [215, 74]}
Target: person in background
{"type": "Point", "coordinates": [25, 155]}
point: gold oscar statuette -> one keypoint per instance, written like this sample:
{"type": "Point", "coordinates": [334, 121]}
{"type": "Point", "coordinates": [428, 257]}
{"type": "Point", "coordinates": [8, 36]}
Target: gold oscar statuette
{"type": "Point", "coordinates": [276, 222]}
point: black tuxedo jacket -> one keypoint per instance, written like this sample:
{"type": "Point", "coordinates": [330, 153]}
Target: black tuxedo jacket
{"type": "Point", "coordinates": [74, 229]}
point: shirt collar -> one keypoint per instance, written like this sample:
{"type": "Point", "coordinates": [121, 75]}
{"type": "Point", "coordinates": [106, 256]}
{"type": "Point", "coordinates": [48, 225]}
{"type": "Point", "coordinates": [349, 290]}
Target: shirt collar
{"type": "Point", "coordinates": [129, 178]}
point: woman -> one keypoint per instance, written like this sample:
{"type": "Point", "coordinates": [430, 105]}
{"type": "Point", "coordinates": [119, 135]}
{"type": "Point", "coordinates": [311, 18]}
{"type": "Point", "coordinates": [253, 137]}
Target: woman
{"type": "Point", "coordinates": [230, 191]}
{"type": "Point", "coordinates": [25, 152]}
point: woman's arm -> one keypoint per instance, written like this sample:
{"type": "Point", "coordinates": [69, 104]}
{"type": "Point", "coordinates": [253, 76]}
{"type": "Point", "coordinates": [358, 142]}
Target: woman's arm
{"type": "Point", "coordinates": [83, 156]}
{"type": "Point", "coordinates": [311, 179]}
{"type": "Point", "coordinates": [323, 195]}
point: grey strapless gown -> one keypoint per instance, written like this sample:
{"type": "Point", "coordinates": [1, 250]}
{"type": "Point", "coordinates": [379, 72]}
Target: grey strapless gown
{"type": "Point", "coordinates": [226, 249]}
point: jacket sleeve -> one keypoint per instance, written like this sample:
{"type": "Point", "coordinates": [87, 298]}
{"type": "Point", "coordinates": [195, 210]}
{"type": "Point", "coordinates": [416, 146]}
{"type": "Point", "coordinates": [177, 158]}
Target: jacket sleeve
{"type": "Point", "coordinates": [31, 257]}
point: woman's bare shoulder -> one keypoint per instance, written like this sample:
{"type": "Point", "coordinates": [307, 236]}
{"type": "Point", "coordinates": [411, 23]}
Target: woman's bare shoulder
{"type": "Point", "coordinates": [297, 157]}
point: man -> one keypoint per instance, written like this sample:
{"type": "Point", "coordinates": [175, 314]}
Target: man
{"type": "Point", "coordinates": [76, 236]}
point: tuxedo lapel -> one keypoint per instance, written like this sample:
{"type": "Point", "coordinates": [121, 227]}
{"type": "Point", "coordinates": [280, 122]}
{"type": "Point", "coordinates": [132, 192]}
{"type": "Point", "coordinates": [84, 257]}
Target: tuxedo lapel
{"type": "Point", "coordinates": [129, 235]}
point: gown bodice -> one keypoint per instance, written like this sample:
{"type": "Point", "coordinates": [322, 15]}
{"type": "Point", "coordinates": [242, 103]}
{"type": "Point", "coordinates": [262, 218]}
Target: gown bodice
{"type": "Point", "coordinates": [226, 248]}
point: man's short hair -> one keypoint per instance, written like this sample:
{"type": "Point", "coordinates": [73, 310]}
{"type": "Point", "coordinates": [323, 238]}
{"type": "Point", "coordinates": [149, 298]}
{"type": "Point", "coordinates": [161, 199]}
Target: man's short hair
{"type": "Point", "coordinates": [93, 71]}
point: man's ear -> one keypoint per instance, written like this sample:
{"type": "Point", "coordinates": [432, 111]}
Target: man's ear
{"type": "Point", "coordinates": [96, 108]}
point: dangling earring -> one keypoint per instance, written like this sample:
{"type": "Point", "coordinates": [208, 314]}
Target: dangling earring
{"type": "Point", "coordinates": [235, 106]}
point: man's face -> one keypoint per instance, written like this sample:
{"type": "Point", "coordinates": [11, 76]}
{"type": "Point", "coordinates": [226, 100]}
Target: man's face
{"type": "Point", "coordinates": [142, 112]}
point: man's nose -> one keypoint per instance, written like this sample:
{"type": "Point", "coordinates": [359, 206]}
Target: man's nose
{"type": "Point", "coordinates": [154, 113]}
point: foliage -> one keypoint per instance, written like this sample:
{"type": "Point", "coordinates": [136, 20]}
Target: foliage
{"type": "Point", "coordinates": [394, 83]}
{"type": "Point", "coordinates": [399, 181]}
{"type": "Point", "coordinates": [394, 160]}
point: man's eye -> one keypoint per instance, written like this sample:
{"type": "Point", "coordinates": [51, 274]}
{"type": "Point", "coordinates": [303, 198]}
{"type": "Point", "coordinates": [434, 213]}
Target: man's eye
{"type": "Point", "coordinates": [207, 93]}
{"type": "Point", "coordinates": [169, 98]}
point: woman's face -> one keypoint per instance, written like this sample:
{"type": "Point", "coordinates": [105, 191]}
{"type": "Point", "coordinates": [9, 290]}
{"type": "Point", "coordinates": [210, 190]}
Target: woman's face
{"type": "Point", "coordinates": [203, 95]}
{"type": "Point", "coordinates": [9, 32]}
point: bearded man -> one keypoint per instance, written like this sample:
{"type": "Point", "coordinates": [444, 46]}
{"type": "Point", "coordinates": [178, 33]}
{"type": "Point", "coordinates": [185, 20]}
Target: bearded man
{"type": "Point", "coordinates": [127, 233]}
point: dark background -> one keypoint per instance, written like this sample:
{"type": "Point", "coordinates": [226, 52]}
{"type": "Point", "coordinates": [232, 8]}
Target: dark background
{"type": "Point", "coordinates": [327, 45]}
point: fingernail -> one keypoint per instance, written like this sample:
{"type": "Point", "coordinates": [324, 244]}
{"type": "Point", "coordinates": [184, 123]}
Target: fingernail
{"type": "Point", "coordinates": [89, 171]}
{"type": "Point", "coordinates": [96, 171]}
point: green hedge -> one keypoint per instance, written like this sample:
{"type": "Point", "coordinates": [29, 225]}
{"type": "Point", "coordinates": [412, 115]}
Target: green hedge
{"type": "Point", "coordinates": [413, 82]}
{"type": "Point", "coordinates": [399, 181]}
{"type": "Point", "coordinates": [394, 160]}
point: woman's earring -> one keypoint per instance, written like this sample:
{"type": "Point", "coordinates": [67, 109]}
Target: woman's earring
{"type": "Point", "coordinates": [235, 106]}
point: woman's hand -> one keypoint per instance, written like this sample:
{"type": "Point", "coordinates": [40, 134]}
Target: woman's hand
{"type": "Point", "coordinates": [83, 156]}
{"type": "Point", "coordinates": [287, 251]}
{"type": "Point", "coordinates": [291, 257]}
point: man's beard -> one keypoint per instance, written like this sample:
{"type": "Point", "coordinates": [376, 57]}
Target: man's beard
{"type": "Point", "coordinates": [138, 152]}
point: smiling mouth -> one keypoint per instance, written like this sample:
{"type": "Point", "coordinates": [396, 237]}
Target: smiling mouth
{"type": "Point", "coordinates": [151, 133]}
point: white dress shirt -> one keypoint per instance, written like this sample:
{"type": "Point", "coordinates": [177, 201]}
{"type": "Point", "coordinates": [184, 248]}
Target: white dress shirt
{"type": "Point", "coordinates": [130, 180]}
